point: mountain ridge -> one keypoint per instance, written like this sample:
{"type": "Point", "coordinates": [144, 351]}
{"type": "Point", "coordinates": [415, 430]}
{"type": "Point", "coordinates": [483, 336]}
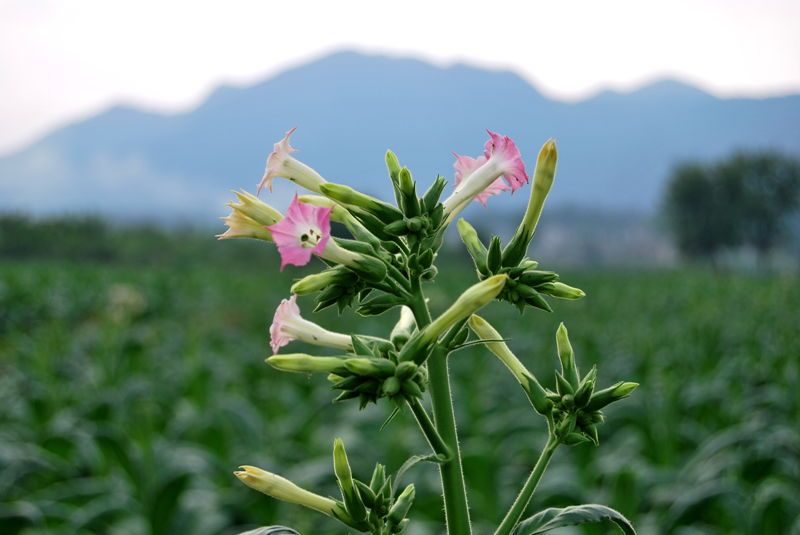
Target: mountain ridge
{"type": "Point", "coordinates": [616, 147]}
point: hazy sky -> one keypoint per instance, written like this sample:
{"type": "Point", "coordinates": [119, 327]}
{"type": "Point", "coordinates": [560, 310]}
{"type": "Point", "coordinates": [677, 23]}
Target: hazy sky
{"type": "Point", "coordinates": [63, 60]}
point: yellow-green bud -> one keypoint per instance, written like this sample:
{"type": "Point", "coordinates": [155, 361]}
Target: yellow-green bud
{"type": "Point", "coordinates": [533, 389]}
{"type": "Point", "coordinates": [315, 282]}
{"type": "Point", "coordinates": [341, 467]}
{"type": "Point", "coordinates": [567, 357]}
{"type": "Point", "coordinates": [469, 302]}
{"type": "Point", "coordinates": [561, 290]}
{"type": "Point", "coordinates": [370, 367]}
{"type": "Point", "coordinates": [255, 209]}
{"type": "Point", "coordinates": [284, 490]}
{"type": "Point", "coordinates": [402, 504]}
{"type": "Point", "coordinates": [543, 176]}
{"type": "Point", "coordinates": [302, 363]}
{"type": "Point", "coordinates": [616, 392]}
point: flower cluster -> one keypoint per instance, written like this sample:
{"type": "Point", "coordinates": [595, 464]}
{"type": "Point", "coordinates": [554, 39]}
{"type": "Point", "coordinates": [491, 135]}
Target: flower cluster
{"type": "Point", "coordinates": [390, 254]}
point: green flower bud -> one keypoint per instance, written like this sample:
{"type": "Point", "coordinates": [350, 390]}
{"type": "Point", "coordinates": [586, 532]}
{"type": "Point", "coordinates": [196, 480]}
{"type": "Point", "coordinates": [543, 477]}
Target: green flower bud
{"type": "Point", "coordinates": [401, 505]}
{"type": "Point", "coordinates": [341, 467]}
{"type": "Point", "coordinates": [391, 386]}
{"type": "Point", "coordinates": [543, 177]}
{"type": "Point", "coordinates": [431, 198]}
{"type": "Point", "coordinates": [561, 290]}
{"type": "Point", "coordinates": [378, 478]}
{"type": "Point", "coordinates": [300, 362]}
{"type": "Point", "coordinates": [534, 278]}
{"type": "Point", "coordinates": [320, 281]}
{"type": "Point", "coordinates": [476, 249]}
{"type": "Point", "coordinates": [406, 370]}
{"type": "Point", "coordinates": [351, 197]}
{"type": "Point", "coordinates": [494, 256]}
{"type": "Point", "coordinates": [370, 367]}
{"type": "Point", "coordinates": [616, 392]}
{"type": "Point", "coordinates": [392, 165]}
{"type": "Point", "coordinates": [284, 490]}
{"type": "Point", "coordinates": [469, 302]}
{"type": "Point", "coordinates": [533, 389]}
{"type": "Point", "coordinates": [567, 357]}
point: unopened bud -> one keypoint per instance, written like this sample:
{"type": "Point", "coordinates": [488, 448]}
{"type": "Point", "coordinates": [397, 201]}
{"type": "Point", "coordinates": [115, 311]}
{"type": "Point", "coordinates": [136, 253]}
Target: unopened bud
{"type": "Point", "coordinates": [601, 398]}
{"type": "Point", "coordinates": [543, 177]}
{"type": "Point", "coordinates": [402, 504]}
{"type": "Point", "coordinates": [283, 489]}
{"type": "Point", "coordinates": [370, 367]}
{"type": "Point", "coordinates": [476, 249]}
{"type": "Point", "coordinates": [533, 389]}
{"type": "Point", "coordinates": [341, 467]}
{"type": "Point", "coordinates": [469, 302]}
{"type": "Point", "coordinates": [300, 362]}
{"type": "Point", "coordinates": [561, 290]}
{"type": "Point", "coordinates": [567, 357]}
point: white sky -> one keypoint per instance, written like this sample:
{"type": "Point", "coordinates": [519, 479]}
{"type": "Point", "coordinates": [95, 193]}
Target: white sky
{"type": "Point", "coordinates": [63, 60]}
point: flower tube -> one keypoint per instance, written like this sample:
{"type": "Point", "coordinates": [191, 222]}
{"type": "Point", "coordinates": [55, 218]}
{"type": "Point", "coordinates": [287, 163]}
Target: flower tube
{"type": "Point", "coordinates": [280, 163]}
{"type": "Point", "coordinates": [288, 325]}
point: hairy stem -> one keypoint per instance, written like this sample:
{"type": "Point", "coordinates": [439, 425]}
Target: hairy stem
{"type": "Point", "coordinates": [429, 430]}
{"type": "Point", "coordinates": [454, 491]}
{"type": "Point", "coordinates": [523, 499]}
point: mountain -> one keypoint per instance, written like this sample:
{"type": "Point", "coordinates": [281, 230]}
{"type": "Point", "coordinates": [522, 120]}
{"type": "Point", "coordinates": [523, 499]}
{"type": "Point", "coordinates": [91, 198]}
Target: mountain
{"type": "Point", "coordinates": [616, 149]}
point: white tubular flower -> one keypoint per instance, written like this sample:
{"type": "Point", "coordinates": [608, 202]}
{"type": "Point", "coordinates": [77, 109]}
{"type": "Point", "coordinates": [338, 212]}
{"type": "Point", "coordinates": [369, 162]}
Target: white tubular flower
{"type": "Point", "coordinates": [289, 325]}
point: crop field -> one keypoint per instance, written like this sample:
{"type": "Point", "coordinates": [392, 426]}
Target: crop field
{"type": "Point", "coordinates": [129, 393]}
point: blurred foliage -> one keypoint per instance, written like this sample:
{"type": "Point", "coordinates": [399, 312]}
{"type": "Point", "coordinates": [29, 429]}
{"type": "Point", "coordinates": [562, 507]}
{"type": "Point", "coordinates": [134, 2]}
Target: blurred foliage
{"type": "Point", "coordinates": [128, 395]}
{"type": "Point", "coordinates": [744, 200]}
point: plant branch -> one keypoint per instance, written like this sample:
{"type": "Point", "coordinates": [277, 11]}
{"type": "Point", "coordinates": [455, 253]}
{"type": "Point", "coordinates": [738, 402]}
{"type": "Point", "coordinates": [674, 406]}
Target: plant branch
{"type": "Point", "coordinates": [429, 430]}
{"type": "Point", "coordinates": [523, 499]}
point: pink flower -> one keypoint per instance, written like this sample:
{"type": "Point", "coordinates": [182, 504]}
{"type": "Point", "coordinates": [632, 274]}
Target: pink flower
{"type": "Point", "coordinates": [305, 230]}
{"type": "Point", "coordinates": [464, 166]}
{"type": "Point", "coordinates": [286, 312]}
{"type": "Point", "coordinates": [477, 178]}
{"type": "Point", "coordinates": [280, 152]}
{"type": "Point", "coordinates": [505, 153]}
{"type": "Point", "coordinates": [288, 325]}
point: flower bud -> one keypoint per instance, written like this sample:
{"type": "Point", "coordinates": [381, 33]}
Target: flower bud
{"type": "Point", "coordinates": [393, 165]}
{"type": "Point", "coordinates": [533, 389]}
{"type": "Point", "coordinates": [543, 177]}
{"type": "Point", "coordinates": [320, 281]}
{"type": "Point", "coordinates": [469, 302]}
{"type": "Point", "coordinates": [341, 467]}
{"type": "Point", "coordinates": [402, 504]}
{"type": "Point", "coordinates": [241, 226]}
{"type": "Point", "coordinates": [351, 197]}
{"type": "Point", "coordinates": [476, 249]}
{"type": "Point", "coordinates": [370, 367]}
{"type": "Point", "coordinates": [284, 490]}
{"type": "Point", "coordinates": [404, 328]}
{"type": "Point", "coordinates": [616, 392]}
{"type": "Point", "coordinates": [569, 368]}
{"type": "Point", "coordinates": [561, 290]}
{"type": "Point", "coordinates": [300, 362]}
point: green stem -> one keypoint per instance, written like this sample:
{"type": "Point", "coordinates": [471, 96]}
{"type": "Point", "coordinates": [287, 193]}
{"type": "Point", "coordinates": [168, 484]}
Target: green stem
{"type": "Point", "coordinates": [523, 499]}
{"type": "Point", "coordinates": [429, 430]}
{"type": "Point", "coordinates": [456, 508]}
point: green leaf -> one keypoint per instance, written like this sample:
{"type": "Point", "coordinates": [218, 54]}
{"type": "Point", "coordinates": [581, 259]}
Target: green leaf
{"type": "Point", "coordinates": [589, 513]}
{"type": "Point", "coordinates": [271, 530]}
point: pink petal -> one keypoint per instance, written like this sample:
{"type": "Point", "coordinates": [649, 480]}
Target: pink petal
{"type": "Point", "coordinates": [505, 152]}
{"type": "Point", "coordinates": [280, 151]}
{"type": "Point", "coordinates": [465, 166]}
{"type": "Point", "coordinates": [495, 188]}
{"type": "Point", "coordinates": [286, 311]}
{"type": "Point", "coordinates": [287, 232]}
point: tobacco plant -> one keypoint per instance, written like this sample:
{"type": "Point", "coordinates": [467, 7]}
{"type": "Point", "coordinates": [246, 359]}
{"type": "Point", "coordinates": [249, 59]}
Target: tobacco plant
{"type": "Point", "coordinates": [384, 268]}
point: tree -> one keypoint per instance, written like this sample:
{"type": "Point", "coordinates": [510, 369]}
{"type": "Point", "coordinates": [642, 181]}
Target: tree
{"type": "Point", "coordinates": [744, 200]}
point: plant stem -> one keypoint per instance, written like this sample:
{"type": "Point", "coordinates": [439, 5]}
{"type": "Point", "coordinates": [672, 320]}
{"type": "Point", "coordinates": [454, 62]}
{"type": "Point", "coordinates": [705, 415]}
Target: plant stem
{"type": "Point", "coordinates": [429, 430]}
{"type": "Point", "coordinates": [454, 491]}
{"type": "Point", "coordinates": [523, 499]}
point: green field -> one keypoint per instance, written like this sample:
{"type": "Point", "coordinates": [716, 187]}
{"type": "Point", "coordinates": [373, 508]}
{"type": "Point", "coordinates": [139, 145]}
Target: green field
{"type": "Point", "coordinates": [129, 393]}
